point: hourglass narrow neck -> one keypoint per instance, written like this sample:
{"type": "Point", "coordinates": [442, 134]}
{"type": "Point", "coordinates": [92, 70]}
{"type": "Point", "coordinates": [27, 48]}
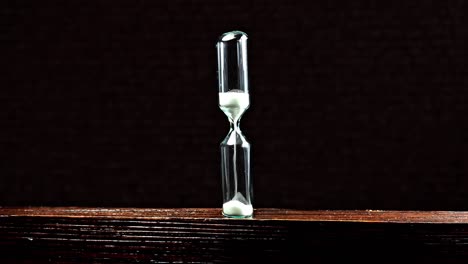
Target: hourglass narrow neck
{"type": "Point", "coordinates": [235, 125]}
{"type": "Point", "coordinates": [235, 136]}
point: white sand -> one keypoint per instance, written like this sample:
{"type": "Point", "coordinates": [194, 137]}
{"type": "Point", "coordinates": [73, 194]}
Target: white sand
{"type": "Point", "coordinates": [234, 104]}
{"type": "Point", "coordinates": [236, 208]}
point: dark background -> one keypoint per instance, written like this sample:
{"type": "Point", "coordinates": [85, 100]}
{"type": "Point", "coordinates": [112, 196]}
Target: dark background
{"type": "Point", "coordinates": [355, 104]}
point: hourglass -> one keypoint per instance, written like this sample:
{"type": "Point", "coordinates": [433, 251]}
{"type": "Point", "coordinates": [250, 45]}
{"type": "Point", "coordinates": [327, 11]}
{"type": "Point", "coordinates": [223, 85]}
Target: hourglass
{"type": "Point", "coordinates": [234, 100]}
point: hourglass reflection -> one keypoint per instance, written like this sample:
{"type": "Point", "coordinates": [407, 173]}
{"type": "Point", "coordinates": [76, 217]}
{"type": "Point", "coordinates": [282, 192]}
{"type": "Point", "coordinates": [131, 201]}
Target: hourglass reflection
{"type": "Point", "coordinates": [234, 99]}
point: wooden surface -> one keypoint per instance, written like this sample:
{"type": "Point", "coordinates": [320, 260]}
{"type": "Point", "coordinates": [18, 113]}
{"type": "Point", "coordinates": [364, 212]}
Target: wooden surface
{"type": "Point", "coordinates": [129, 235]}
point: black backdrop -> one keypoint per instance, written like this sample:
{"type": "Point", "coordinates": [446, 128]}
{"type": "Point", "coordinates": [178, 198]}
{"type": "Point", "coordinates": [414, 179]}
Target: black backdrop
{"type": "Point", "coordinates": [355, 104]}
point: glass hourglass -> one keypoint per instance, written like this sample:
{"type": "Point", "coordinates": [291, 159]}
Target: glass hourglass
{"type": "Point", "coordinates": [234, 100]}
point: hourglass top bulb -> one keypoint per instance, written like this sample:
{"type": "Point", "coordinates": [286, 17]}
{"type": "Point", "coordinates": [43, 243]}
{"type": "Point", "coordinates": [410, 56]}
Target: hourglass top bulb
{"type": "Point", "coordinates": [232, 74]}
{"type": "Point", "coordinates": [232, 62]}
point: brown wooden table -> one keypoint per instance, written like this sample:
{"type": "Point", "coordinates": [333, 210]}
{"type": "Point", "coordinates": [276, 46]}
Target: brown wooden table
{"type": "Point", "coordinates": [133, 235]}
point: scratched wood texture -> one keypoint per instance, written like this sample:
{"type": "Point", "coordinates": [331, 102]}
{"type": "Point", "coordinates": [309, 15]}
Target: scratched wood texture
{"type": "Point", "coordinates": [196, 235]}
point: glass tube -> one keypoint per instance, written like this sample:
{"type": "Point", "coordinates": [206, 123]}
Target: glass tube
{"type": "Point", "coordinates": [234, 100]}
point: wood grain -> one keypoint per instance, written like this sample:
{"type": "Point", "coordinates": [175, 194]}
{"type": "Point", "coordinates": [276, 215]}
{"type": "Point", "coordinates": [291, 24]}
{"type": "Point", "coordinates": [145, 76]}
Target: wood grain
{"type": "Point", "coordinates": [196, 235]}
